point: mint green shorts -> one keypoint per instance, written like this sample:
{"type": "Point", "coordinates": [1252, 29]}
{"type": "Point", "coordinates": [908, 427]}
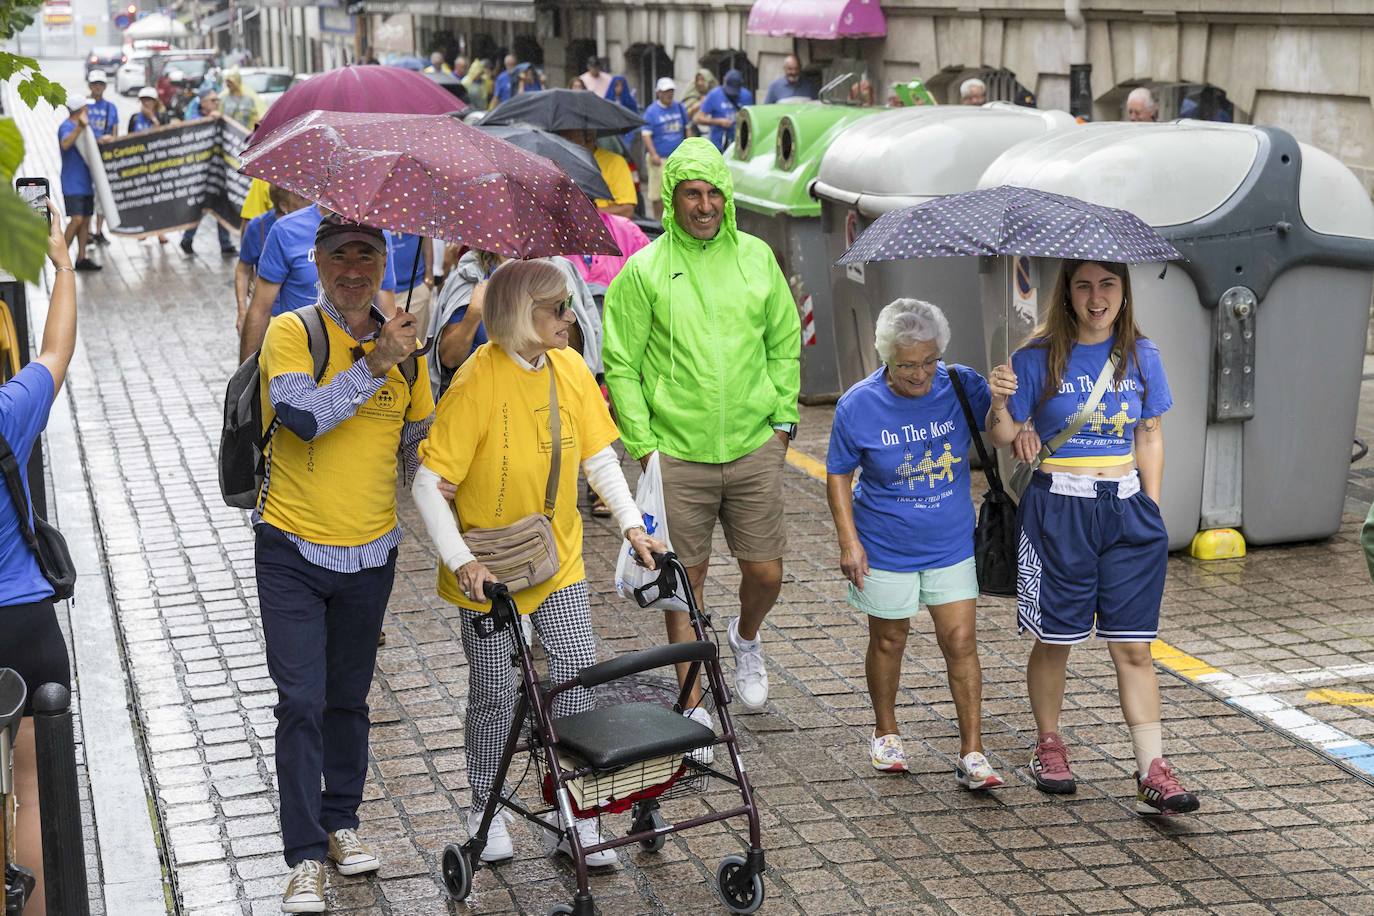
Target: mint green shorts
{"type": "Point", "coordinates": [898, 595]}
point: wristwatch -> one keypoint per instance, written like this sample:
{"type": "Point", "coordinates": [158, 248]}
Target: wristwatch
{"type": "Point", "coordinates": [789, 428]}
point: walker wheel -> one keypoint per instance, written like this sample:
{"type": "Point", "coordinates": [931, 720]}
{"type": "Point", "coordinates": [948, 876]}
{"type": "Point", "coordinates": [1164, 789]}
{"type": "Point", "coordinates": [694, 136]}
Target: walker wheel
{"type": "Point", "coordinates": [738, 899]}
{"type": "Point", "coordinates": [457, 872]}
{"type": "Point", "coordinates": [651, 820]}
{"type": "Point", "coordinates": [560, 909]}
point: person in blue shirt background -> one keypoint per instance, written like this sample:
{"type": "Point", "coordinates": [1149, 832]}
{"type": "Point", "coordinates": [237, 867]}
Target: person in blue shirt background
{"type": "Point", "coordinates": [287, 278]}
{"type": "Point", "coordinates": [32, 643]}
{"type": "Point", "coordinates": [906, 530]}
{"type": "Point", "coordinates": [254, 238]}
{"type": "Point", "coordinates": [78, 188]}
{"type": "Point", "coordinates": [790, 85]}
{"type": "Point", "coordinates": [665, 127]}
{"type": "Point", "coordinates": [104, 123]}
{"type": "Point", "coordinates": [414, 276]}
{"type": "Point", "coordinates": [721, 106]}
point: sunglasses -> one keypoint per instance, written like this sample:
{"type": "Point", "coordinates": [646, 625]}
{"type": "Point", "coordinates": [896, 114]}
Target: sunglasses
{"type": "Point", "coordinates": [560, 310]}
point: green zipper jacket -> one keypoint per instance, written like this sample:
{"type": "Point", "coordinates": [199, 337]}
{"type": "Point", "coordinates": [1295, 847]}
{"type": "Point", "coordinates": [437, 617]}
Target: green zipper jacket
{"type": "Point", "coordinates": [701, 339]}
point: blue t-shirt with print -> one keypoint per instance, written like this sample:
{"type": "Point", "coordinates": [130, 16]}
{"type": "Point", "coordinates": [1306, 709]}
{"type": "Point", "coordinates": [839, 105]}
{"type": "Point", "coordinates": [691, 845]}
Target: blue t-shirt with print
{"type": "Point", "coordinates": [288, 258]}
{"type": "Point", "coordinates": [255, 237]}
{"type": "Point", "coordinates": [1143, 392]}
{"type": "Point", "coordinates": [406, 246]}
{"type": "Point", "coordinates": [24, 404]}
{"type": "Point", "coordinates": [668, 126]}
{"type": "Point", "coordinates": [912, 506]}
{"type": "Point", "coordinates": [76, 175]}
{"type": "Point", "coordinates": [103, 118]}
{"type": "Point", "coordinates": [719, 105]}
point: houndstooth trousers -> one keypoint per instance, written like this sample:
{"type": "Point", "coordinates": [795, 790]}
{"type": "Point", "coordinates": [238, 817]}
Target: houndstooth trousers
{"type": "Point", "coordinates": [564, 625]}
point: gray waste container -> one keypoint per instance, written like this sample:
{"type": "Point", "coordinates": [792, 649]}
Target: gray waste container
{"type": "Point", "coordinates": [1262, 328]}
{"type": "Point", "coordinates": [896, 159]}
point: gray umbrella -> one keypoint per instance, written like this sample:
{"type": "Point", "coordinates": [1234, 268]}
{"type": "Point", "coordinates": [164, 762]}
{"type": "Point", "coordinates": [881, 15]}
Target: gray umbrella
{"type": "Point", "coordinates": [579, 164]}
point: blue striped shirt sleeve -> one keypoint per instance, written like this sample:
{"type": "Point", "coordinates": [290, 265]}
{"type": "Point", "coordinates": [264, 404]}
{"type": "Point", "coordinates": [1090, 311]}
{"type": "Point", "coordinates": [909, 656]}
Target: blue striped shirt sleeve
{"type": "Point", "coordinates": [311, 410]}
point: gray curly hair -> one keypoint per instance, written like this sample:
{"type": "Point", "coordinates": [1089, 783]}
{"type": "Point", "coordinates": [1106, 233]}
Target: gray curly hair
{"type": "Point", "coordinates": [906, 322]}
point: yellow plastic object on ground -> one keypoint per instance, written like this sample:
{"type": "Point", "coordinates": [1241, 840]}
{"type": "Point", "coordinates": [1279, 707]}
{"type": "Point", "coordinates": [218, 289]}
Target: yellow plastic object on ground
{"type": "Point", "coordinates": [1217, 544]}
{"type": "Point", "coordinates": [9, 344]}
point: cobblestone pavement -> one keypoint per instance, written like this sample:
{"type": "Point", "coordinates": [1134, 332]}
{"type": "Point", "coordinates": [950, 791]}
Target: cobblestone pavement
{"type": "Point", "coordinates": [1284, 829]}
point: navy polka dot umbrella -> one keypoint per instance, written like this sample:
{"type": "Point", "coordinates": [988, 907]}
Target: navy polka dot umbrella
{"type": "Point", "coordinates": [1009, 220]}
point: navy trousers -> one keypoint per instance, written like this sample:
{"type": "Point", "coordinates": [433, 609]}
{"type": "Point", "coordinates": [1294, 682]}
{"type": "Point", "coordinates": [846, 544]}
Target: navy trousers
{"type": "Point", "coordinates": [321, 629]}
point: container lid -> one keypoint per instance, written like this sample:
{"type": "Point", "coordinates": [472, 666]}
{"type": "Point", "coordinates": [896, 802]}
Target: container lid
{"type": "Point", "coordinates": [783, 155]}
{"type": "Point", "coordinates": [909, 155]}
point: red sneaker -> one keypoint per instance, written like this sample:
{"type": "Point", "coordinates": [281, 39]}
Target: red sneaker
{"type": "Point", "coordinates": [1050, 766]}
{"type": "Point", "coordinates": [1160, 792]}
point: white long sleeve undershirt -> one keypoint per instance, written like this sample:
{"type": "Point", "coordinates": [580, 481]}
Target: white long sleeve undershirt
{"type": "Point", "coordinates": [603, 473]}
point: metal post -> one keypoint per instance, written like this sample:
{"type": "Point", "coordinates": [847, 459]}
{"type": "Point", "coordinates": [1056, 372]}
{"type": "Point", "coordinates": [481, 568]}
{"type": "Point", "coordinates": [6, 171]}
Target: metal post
{"type": "Point", "coordinates": [59, 802]}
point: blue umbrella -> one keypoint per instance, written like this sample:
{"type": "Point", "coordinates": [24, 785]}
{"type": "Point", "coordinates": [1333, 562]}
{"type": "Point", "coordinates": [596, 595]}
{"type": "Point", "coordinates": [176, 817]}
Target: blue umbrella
{"type": "Point", "coordinates": [417, 64]}
{"type": "Point", "coordinates": [1009, 220]}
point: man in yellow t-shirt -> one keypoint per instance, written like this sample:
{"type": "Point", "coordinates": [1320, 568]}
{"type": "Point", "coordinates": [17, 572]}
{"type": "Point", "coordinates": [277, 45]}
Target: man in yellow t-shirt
{"type": "Point", "coordinates": [326, 536]}
{"type": "Point", "coordinates": [258, 200]}
{"type": "Point", "coordinates": [614, 169]}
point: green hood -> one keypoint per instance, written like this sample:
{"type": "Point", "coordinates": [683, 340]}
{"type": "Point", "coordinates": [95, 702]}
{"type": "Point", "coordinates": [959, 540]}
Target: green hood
{"type": "Point", "coordinates": [697, 159]}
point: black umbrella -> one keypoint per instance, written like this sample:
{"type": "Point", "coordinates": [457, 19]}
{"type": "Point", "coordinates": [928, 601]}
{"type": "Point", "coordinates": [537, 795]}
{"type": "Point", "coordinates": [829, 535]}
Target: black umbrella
{"type": "Point", "coordinates": [579, 164]}
{"type": "Point", "coordinates": [565, 109]}
{"type": "Point", "coordinates": [452, 84]}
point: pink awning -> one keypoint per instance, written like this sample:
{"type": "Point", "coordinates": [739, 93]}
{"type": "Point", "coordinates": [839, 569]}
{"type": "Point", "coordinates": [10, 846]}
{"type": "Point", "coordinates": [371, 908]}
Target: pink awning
{"type": "Point", "coordinates": [824, 20]}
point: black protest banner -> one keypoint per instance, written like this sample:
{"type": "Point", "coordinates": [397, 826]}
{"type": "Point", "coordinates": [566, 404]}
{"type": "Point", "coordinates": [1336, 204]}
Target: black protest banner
{"type": "Point", "coordinates": [166, 178]}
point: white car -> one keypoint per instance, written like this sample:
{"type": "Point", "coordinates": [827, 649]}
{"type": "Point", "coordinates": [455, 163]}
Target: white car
{"type": "Point", "coordinates": [131, 75]}
{"type": "Point", "coordinates": [268, 82]}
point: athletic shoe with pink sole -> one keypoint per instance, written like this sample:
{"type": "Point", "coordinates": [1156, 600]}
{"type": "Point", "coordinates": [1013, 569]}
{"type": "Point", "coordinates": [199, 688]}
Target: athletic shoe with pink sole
{"type": "Point", "coordinates": [973, 772]}
{"type": "Point", "coordinates": [1160, 792]}
{"type": "Point", "coordinates": [1050, 766]}
{"type": "Point", "coordinates": [887, 754]}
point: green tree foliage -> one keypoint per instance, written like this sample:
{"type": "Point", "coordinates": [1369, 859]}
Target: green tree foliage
{"type": "Point", "coordinates": [23, 234]}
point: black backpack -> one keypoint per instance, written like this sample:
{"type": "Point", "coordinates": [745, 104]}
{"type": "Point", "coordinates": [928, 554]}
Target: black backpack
{"type": "Point", "coordinates": [242, 443]}
{"type": "Point", "coordinates": [242, 447]}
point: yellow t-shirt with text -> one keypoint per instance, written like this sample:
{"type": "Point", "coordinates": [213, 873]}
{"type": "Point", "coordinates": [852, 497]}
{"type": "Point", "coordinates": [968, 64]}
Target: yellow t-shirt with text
{"type": "Point", "coordinates": [339, 489]}
{"type": "Point", "coordinates": [491, 437]}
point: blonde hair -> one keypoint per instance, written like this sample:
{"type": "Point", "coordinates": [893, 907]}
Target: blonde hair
{"type": "Point", "coordinates": [512, 293]}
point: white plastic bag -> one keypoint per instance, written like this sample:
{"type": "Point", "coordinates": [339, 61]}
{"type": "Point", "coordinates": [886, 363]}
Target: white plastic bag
{"type": "Point", "coordinates": [629, 575]}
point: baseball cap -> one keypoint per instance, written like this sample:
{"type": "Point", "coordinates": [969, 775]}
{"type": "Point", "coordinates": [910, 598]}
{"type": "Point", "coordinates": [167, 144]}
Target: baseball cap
{"type": "Point", "coordinates": [147, 92]}
{"type": "Point", "coordinates": [175, 76]}
{"type": "Point", "coordinates": [665, 84]}
{"type": "Point", "coordinates": [96, 76]}
{"type": "Point", "coordinates": [335, 231]}
{"type": "Point", "coordinates": [76, 104]}
{"type": "Point", "coordinates": [733, 79]}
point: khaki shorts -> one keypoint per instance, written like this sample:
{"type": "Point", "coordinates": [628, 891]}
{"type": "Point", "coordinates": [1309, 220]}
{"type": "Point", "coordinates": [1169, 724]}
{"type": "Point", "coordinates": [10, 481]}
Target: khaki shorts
{"type": "Point", "coordinates": [745, 494]}
{"type": "Point", "coordinates": [653, 189]}
{"type": "Point", "coordinates": [419, 305]}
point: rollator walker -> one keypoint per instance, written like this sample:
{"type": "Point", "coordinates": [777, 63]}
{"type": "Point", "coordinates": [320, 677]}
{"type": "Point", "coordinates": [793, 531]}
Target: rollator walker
{"type": "Point", "coordinates": [632, 756]}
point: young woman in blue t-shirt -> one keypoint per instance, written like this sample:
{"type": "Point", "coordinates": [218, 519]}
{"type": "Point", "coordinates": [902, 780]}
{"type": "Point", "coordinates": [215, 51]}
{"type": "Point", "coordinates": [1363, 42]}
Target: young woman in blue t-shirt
{"type": "Point", "coordinates": [1093, 543]}
{"type": "Point", "coordinates": [906, 530]}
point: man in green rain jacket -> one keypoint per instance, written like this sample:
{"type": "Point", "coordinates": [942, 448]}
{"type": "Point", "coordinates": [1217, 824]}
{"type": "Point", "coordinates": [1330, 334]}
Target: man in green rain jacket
{"type": "Point", "coordinates": [702, 347]}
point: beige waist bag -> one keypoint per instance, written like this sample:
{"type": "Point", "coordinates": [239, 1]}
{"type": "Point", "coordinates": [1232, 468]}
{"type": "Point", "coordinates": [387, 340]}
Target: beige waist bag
{"type": "Point", "coordinates": [524, 554]}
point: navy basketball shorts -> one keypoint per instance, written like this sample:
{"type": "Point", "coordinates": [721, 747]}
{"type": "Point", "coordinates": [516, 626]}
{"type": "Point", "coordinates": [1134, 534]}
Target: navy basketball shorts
{"type": "Point", "coordinates": [1092, 556]}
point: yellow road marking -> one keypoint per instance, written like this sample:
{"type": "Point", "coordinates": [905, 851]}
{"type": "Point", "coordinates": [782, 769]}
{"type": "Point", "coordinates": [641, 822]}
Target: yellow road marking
{"type": "Point", "coordinates": [1342, 698]}
{"type": "Point", "coordinates": [1181, 662]}
{"type": "Point", "coordinates": [804, 462]}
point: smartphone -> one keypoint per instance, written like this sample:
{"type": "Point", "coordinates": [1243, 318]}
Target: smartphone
{"type": "Point", "coordinates": [35, 192]}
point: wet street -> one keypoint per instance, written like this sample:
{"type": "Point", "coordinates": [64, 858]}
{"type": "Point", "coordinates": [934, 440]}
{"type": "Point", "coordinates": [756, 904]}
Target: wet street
{"type": "Point", "coordinates": [1266, 664]}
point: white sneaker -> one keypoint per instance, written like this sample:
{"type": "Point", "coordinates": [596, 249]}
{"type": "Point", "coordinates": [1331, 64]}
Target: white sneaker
{"type": "Point", "coordinates": [587, 834]}
{"type": "Point", "coordinates": [974, 772]}
{"type": "Point", "coordinates": [498, 848]}
{"type": "Point", "coordinates": [886, 753]}
{"type": "Point", "coordinates": [701, 715]}
{"type": "Point", "coordinates": [304, 888]}
{"type": "Point", "coordinates": [751, 677]}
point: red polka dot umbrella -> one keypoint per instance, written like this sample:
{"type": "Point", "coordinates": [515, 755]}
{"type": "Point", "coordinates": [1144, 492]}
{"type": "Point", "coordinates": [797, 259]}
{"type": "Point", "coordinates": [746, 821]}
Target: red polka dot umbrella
{"type": "Point", "coordinates": [431, 175]}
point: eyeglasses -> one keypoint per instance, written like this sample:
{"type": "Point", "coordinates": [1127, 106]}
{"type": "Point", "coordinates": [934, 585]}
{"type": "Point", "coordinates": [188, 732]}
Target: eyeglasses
{"type": "Point", "coordinates": [561, 310]}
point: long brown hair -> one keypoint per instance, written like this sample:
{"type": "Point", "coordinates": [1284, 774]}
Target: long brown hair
{"type": "Point", "coordinates": [1058, 332]}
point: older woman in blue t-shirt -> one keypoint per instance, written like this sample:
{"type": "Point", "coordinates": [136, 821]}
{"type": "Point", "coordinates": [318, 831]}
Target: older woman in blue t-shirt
{"type": "Point", "coordinates": [1093, 545]}
{"type": "Point", "coordinates": [906, 529]}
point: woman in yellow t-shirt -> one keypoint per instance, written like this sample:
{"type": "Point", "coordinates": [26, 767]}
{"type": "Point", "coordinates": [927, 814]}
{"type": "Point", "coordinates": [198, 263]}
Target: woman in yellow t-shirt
{"type": "Point", "coordinates": [490, 452]}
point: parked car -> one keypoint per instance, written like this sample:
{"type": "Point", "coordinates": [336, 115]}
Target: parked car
{"type": "Point", "coordinates": [133, 75]}
{"type": "Point", "coordinates": [195, 65]}
{"type": "Point", "coordinates": [105, 57]}
{"type": "Point", "coordinates": [268, 82]}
